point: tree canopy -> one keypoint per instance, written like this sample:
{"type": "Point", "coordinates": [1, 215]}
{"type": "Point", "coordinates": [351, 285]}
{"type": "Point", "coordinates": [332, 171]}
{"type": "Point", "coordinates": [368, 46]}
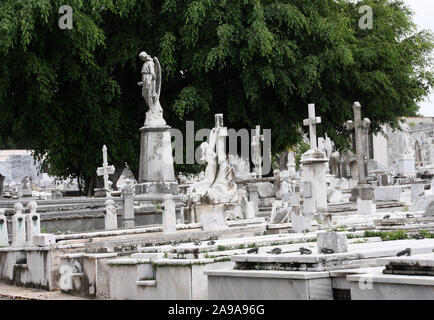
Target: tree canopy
{"type": "Point", "coordinates": [65, 93]}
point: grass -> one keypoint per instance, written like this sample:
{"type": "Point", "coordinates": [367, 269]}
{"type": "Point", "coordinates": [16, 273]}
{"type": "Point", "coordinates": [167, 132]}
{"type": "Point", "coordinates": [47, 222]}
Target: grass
{"type": "Point", "coordinates": [387, 236]}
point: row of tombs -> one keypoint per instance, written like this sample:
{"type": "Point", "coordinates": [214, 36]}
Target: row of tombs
{"type": "Point", "coordinates": [305, 236]}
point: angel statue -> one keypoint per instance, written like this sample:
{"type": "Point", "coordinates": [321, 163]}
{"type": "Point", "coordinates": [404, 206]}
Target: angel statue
{"type": "Point", "coordinates": [151, 89]}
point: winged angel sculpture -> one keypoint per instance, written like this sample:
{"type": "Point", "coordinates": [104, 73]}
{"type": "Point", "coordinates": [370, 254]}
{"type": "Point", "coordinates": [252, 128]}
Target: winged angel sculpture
{"type": "Point", "coordinates": [151, 89]}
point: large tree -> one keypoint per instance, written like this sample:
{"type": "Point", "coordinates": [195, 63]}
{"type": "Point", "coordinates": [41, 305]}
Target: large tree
{"type": "Point", "coordinates": [65, 93]}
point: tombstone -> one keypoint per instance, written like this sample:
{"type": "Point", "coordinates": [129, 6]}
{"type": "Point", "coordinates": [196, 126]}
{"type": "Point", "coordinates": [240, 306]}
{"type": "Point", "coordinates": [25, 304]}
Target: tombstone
{"type": "Point", "coordinates": [256, 151]}
{"type": "Point", "coordinates": [128, 210]}
{"type": "Point", "coordinates": [277, 184]}
{"type": "Point", "coordinates": [280, 212]}
{"type": "Point", "coordinates": [299, 222]}
{"type": "Point", "coordinates": [110, 216]}
{"type": "Point", "coordinates": [25, 190]}
{"type": "Point", "coordinates": [247, 208]}
{"type": "Point", "coordinates": [104, 172]}
{"type": "Point", "coordinates": [4, 238]}
{"type": "Point", "coordinates": [169, 214]}
{"type": "Point", "coordinates": [211, 217]}
{"type": "Point", "coordinates": [335, 241]}
{"type": "Point", "coordinates": [291, 165]}
{"type": "Point", "coordinates": [392, 193]}
{"type": "Point", "coordinates": [416, 191]}
{"type": "Point", "coordinates": [19, 238]}
{"type": "Point", "coordinates": [252, 191]}
{"type": "Point", "coordinates": [314, 171]}
{"type": "Point", "coordinates": [33, 222]}
{"type": "Point", "coordinates": [363, 190]}
{"type": "Point", "coordinates": [366, 207]}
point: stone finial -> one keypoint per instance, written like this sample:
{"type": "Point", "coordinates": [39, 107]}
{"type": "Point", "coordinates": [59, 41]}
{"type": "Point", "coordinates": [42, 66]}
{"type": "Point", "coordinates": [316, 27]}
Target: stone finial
{"type": "Point", "coordinates": [18, 208]}
{"type": "Point", "coordinates": [32, 205]}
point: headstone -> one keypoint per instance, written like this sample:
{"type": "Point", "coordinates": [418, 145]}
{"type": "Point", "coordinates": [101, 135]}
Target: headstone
{"type": "Point", "coordinates": [169, 214]}
{"type": "Point", "coordinates": [128, 210]}
{"type": "Point", "coordinates": [280, 213]}
{"type": "Point", "coordinates": [212, 217]}
{"type": "Point", "coordinates": [33, 222]}
{"type": "Point", "coordinates": [416, 191]}
{"type": "Point", "coordinates": [366, 207]}
{"type": "Point", "coordinates": [19, 238]}
{"type": "Point", "coordinates": [392, 193]}
{"type": "Point", "coordinates": [4, 238]}
{"type": "Point", "coordinates": [266, 190]}
{"type": "Point", "coordinates": [335, 241]}
{"type": "Point", "coordinates": [252, 190]}
{"type": "Point", "coordinates": [300, 223]}
{"type": "Point", "coordinates": [247, 208]}
{"type": "Point", "coordinates": [363, 190]}
{"type": "Point", "coordinates": [407, 166]}
{"type": "Point", "coordinates": [110, 216]}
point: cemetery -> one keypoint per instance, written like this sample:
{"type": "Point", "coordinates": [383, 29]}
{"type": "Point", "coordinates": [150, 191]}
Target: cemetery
{"type": "Point", "coordinates": [312, 223]}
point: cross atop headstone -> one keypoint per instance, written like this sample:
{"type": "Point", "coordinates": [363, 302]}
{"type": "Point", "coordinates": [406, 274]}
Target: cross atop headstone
{"type": "Point", "coordinates": [359, 126]}
{"type": "Point", "coordinates": [312, 122]}
{"type": "Point", "coordinates": [257, 138]}
{"type": "Point", "coordinates": [105, 170]}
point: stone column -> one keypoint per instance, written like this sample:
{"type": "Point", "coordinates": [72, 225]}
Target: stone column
{"type": "Point", "coordinates": [128, 212]}
{"type": "Point", "coordinates": [33, 222]}
{"type": "Point", "coordinates": [4, 238]}
{"type": "Point", "coordinates": [314, 184]}
{"type": "Point", "coordinates": [110, 216]}
{"type": "Point", "coordinates": [169, 214]}
{"type": "Point", "coordinates": [252, 190]}
{"type": "Point", "coordinates": [18, 226]}
{"type": "Point", "coordinates": [2, 178]}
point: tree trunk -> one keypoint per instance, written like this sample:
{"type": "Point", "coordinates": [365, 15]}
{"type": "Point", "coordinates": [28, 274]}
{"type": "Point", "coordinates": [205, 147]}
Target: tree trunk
{"type": "Point", "coordinates": [283, 159]}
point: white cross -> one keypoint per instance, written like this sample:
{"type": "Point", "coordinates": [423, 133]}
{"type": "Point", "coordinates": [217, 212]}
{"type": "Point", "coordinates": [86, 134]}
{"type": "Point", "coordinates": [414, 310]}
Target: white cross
{"type": "Point", "coordinates": [312, 122]}
{"type": "Point", "coordinates": [105, 170]}
{"type": "Point", "coordinates": [257, 151]}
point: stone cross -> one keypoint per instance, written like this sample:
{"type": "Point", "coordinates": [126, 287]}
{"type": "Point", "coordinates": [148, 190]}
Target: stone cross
{"type": "Point", "coordinates": [222, 133]}
{"type": "Point", "coordinates": [360, 127]}
{"type": "Point", "coordinates": [105, 170]}
{"type": "Point", "coordinates": [312, 122]}
{"type": "Point", "coordinates": [257, 151]}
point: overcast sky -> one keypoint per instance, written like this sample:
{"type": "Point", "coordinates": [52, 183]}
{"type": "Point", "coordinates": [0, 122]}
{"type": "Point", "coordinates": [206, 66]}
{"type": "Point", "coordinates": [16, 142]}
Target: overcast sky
{"type": "Point", "coordinates": [424, 17]}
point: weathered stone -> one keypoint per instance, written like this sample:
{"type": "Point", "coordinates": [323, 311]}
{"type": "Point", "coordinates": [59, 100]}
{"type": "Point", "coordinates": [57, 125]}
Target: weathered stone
{"type": "Point", "coordinates": [110, 216]}
{"type": "Point", "coordinates": [212, 217]}
{"type": "Point", "coordinates": [392, 193]}
{"type": "Point", "coordinates": [18, 226]}
{"type": "Point", "coordinates": [337, 242]}
{"type": "Point", "coordinates": [266, 190]}
{"type": "Point", "coordinates": [169, 214]}
{"type": "Point", "coordinates": [44, 239]}
{"type": "Point", "coordinates": [33, 222]}
{"type": "Point", "coordinates": [366, 207]}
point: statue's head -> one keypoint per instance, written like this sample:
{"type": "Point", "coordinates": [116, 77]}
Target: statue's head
{"type": "Point", "coordinates": [144, 56]}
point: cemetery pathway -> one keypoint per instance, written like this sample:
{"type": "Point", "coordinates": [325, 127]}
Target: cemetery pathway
{"type": "Point", "coordinates": [9, 292]}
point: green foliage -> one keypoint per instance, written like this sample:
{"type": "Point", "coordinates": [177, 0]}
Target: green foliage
{"type": "Point", "coordinates": [426, 234]}
{"type": "Point", "coordinates": [387, 236]}
{"type": "Point", "coordinates": [65, 93]}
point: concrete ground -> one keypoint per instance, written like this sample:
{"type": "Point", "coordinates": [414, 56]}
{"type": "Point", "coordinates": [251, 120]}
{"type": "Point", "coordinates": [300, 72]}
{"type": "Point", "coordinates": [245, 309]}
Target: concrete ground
{"type": "Point", "coordinates": [9, 292]}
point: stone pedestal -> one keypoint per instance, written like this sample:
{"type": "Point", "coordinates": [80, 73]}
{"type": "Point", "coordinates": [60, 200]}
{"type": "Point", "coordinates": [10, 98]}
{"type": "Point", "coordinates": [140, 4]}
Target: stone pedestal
{"type": "Point", "coordinates": [252, 191]}
{"type": "Point", "coordinates": [128, 210]}
{"type": "Point", "coordinates": [101, 193]}
{"type": "Point", "coordinates": [212, 217]}
{"type": "Point", "coordinates": [169, 214]}
{"type": "Point", "coordinates": [362, 192]}
{"type": "Point", "coordinates": [407, 166]}
{"type": "Point", "coordinates": [314, 182]}
{"type": "Point", "coordinates": [156, 172]}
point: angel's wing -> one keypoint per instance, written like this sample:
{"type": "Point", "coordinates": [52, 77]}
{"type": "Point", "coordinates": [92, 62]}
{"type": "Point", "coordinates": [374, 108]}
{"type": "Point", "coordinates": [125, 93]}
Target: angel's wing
{"type": "Point", "coordinates": [158, 76]}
